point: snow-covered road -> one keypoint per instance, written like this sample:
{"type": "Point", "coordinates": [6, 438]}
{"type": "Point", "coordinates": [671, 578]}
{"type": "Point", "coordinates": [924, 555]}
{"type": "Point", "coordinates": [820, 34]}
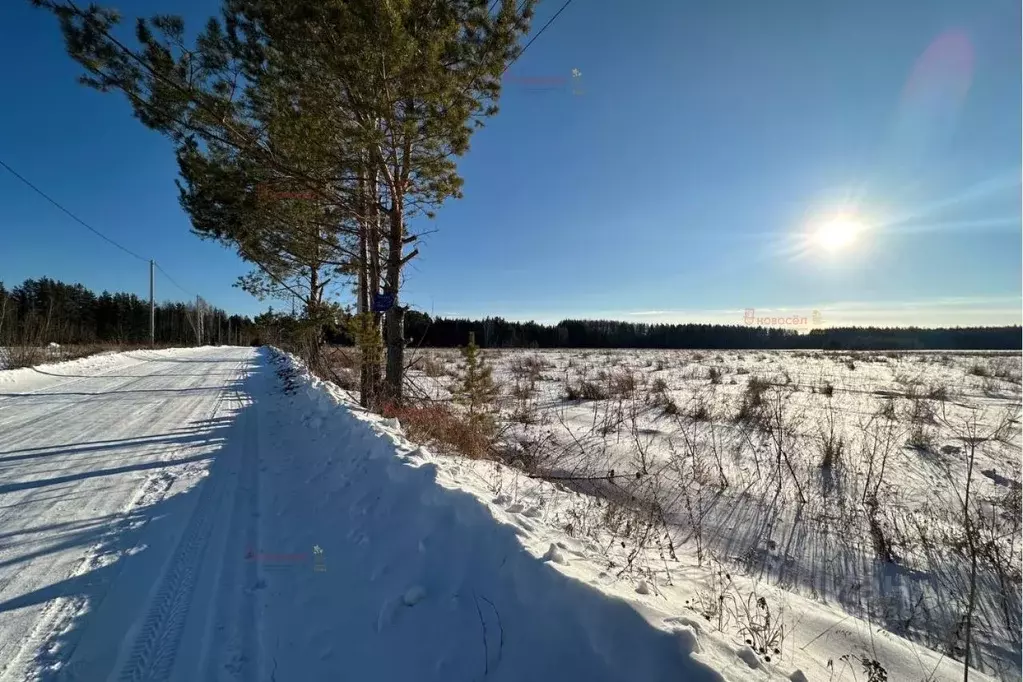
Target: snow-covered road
{"type": "Point", "coordinates": [91, 466]}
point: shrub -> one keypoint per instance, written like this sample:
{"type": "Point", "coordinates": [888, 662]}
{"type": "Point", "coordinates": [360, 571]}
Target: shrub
{"type": "Point", "coordinates": [523, 390]}
{"type": "Point", "coordinates": [920, 411]}
{"type": "Point", "coordinates": [938, 392]}
{"type": "Point", "coordinates": [529, 367]}
{"type": "Point", "coordinates": [887, 410]}
{"type": "Point", "coordinates": [714, 374]}
{"type": "Point", "coordinates": [30, 355]}
{"type": "Point", "coordinates": [920, 438]}
{"type": "Point", "coordinates": [623, 384]}
{"type": "Point", "coordinates": [525, 413]}
{"type": "Point", "coordinates": [757, 386]}
{"type": "Point", "coordinates": [832, 446]}
{"type": "Point", "coordinates": [752, 404]}
{"type": "Point", "coordinates": [1007, 369]}
{"type": "Point", "coordinates": [700, 412]}
{"type": "Point", "coordinates": [827, 389]}
{"type": "Point", "coordinates": [432, 368]}
{"type": "Point", "coordinates": [346, 379]}
{"type": "Point", "coordinates": [438, 424]}
{"type": "Point", "coordinates": [660, 398]}
{"type": "Point", "coordinates": [338, 357]}
{"type": "Point", "coordinates": [585, 390]}
{"type": "Point", "coordinates": [22, 356]}
{"type": "Point", "coordinates": [979, 371]}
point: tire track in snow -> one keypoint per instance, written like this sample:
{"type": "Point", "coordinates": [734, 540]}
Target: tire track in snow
{"type": "Point", "coordinates": [62, 611]}
{"type": "Point", "coordinates": [152, 655]}
{"type": "Point", "coordinates": [64, 608]}
{"type": "Point", "coordinates": [228, 642]}
{"type": "Point", "coordinates": [70, 379]}
{"type": "Point", "coordinates": [155, 649]}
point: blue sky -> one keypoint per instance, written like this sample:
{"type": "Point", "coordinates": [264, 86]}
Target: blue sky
{"type": "Point", "coordinates": [707, 138]}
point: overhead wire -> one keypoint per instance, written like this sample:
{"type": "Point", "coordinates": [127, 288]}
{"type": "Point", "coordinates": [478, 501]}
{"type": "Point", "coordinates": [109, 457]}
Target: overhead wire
{"type": "Point", "coordinates": [92, 229]}
{"type": "Point", "coordinates": [73, 216]}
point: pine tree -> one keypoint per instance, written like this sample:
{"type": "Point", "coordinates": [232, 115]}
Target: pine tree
{"type": "Point", "coordinates": [364, 105]}
{"type": "Point", "coordinates": [477, 391]}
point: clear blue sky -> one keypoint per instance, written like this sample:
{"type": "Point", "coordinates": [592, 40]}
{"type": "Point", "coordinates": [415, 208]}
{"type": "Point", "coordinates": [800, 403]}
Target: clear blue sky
{"type": "Point", "coordinates": [707, 137]}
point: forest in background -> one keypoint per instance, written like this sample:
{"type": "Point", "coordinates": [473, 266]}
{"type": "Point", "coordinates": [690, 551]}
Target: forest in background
{"type": "Point", "coordinates": [42, 311]}
{"type": "Point", "coordinates": [495, 332]}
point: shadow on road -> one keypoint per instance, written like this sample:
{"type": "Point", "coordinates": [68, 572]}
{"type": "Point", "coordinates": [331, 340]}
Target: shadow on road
{"type": "Point", "coordinates": [122, 554]}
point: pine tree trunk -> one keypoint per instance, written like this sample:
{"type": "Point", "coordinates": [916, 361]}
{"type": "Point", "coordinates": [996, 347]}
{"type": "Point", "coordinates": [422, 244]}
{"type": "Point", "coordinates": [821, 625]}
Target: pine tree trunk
{"type": "Point", "coordinates": [374, 279]}
{"type": "Point", "coordinates": [394, 319]}
{"type": "Point", "coordinates": [365, 357]}
{"type": "Point", "coordinates": [362, 302]}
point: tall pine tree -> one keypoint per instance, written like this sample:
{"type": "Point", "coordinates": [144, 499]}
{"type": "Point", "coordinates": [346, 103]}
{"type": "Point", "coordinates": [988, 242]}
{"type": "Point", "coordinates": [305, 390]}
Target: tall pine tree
{"type": "Point", "coordinates": [360, 104]}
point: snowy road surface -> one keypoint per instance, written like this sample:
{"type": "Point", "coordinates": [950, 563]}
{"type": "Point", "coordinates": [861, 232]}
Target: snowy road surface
{"type": "Point", "coordinates": [175, 515]}
{"type": "Point", "coordinates": [102, 565]}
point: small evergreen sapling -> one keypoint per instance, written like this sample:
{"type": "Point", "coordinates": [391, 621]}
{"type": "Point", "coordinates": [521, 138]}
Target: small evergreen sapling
{"type": "Point", "coordinates": [477, 391]}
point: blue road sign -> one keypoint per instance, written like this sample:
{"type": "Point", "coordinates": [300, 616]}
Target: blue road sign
{"type": "Point", "coordinates": [383, 302]}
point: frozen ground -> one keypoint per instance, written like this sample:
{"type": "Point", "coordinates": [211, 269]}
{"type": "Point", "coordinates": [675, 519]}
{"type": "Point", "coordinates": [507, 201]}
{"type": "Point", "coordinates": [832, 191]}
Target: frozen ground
{"type": "Point", "coordinates": [828, 479]}
{"type": "Point", "coordinates": [218, 514]}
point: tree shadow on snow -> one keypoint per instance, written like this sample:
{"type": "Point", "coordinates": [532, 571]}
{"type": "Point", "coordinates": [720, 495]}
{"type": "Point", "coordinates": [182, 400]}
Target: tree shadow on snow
{"type": "Point", "coordinates": [110, 587]}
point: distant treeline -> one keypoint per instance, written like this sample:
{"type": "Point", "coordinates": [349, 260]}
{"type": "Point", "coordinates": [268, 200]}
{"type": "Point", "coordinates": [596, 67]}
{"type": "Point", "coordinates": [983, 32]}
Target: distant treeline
{"type": "Point", "coordinates": [40, 311]}
{"type": "Point", "coordinates": [421, 329]}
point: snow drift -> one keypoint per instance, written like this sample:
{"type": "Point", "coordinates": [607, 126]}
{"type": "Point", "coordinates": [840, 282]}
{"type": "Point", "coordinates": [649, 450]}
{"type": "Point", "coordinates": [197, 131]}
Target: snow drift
{"type": "Point", "coordinates": [430, 582]}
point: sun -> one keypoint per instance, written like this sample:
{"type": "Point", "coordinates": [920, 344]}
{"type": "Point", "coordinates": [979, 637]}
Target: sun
{"type": "Point", "coordinates": [837, 233]}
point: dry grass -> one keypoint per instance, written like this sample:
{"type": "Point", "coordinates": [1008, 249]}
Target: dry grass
{"type": "Point", "coordinates": [442, 426]}
{"type": "Point", "coordinates": [13, 357]}
{"type": "Point", "coordinates": [586, 390]}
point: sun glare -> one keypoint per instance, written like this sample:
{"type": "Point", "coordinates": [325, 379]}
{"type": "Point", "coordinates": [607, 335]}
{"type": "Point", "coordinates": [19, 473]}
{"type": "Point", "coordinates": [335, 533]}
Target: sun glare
{"type": "Point", "coordinates": [837, 233]}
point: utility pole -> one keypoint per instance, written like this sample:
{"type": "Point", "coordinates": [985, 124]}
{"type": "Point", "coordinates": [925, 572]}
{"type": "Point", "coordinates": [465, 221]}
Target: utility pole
{"type": "Point", "coordinates": [152, 305]}
{"type": "Point", "coordinates": [198, 321]}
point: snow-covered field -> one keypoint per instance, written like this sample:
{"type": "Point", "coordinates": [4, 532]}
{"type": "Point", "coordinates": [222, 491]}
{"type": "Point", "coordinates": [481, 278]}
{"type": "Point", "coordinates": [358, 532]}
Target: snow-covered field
{"type": "Point", "coordinates": [220, 514]}
{"type": "Point", "coordinates": [826, 483]}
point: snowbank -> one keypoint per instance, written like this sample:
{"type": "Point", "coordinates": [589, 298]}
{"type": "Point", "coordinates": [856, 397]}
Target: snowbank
{"type": "Point", "coordinates": [460, 583]}
{"type": "Point", "coordinates": [470, 570]}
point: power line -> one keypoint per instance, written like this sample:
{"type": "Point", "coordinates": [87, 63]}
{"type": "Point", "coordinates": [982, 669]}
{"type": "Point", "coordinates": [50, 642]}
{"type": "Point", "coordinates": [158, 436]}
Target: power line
{"type": "Point", "coordinates": [93, 229]}
{"type": "Point", "coordinates": [171, 279]}
{"type": "Point", "coordinates": [518, 10]}
{"type": "Point", "coordinates": [538, 34]}
{"type": "Point", "coordinates": [73, 216]}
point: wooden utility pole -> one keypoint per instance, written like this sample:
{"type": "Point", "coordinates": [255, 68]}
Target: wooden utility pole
{"type": "Point", "coordinates": [152, 305]}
